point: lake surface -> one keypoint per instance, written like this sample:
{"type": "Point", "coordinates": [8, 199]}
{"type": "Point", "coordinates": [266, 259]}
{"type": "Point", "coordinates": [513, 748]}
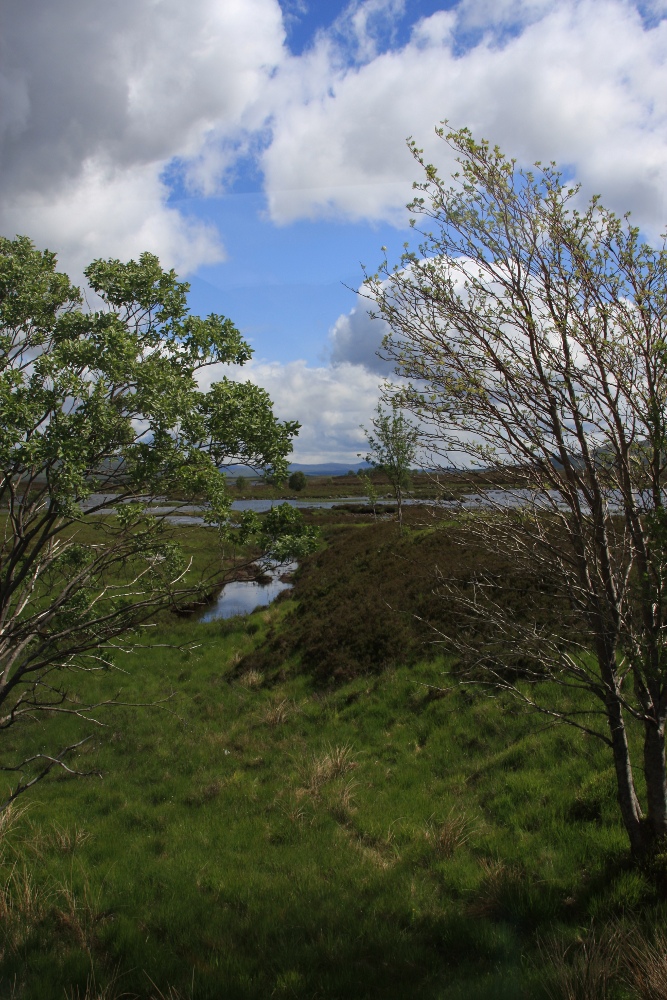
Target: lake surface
{"type": "Point", "coordinates": [192, 513]}
{"type": "Point", "coordinates": [242, 596]}
{"type": "Point", "coordinates": [492, 498]}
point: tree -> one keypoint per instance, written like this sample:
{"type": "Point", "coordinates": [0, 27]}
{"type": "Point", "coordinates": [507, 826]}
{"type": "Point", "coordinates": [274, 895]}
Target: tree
{"type": "Point", "coordinates": [102, 415]}
{"type": "Point", "coordinates": [392, 444]}
{"type": "Point", "coordinates": [297, 481]}
{"type": "Point", "coordinates": [530, 331]}
{"type": "Point", "coordinates": [371, 493]}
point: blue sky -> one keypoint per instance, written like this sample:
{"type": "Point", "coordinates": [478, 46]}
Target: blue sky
{"type": "Point", "coordinates": [258, 147]}
{"type": "Point", "coordinates": [303, 18]}
{"type": "Point", "coordinates": [285, 286]}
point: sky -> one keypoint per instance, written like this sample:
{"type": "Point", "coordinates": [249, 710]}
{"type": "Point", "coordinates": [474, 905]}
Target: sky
{"type": "Point", "coordinates": [259, 147]}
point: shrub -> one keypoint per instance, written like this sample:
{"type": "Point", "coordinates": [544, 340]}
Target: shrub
{"type": "Point", "coordinates": [371, 601]}
{"type": "Point", "coordinates": [297, 481]}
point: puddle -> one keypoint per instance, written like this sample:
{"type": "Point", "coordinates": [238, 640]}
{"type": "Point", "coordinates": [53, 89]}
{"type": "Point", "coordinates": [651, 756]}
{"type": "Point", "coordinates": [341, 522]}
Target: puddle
{"type": "Point", "coordinates": [242, 596]}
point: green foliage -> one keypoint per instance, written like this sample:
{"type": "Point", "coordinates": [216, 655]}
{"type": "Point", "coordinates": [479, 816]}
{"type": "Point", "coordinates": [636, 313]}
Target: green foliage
{"type": "Point", "coordinates": [527, 329]}
{"type": "Point", "coordinates": [297, 481]}
{"type": "Point", "coordinates": [280, 532]}
{"type": "Point", "coordinates": [392, 444]}
{"type": "Point", "coordinates": [102, 417]}
{"type": "Point", "coordinates": [370, 491]}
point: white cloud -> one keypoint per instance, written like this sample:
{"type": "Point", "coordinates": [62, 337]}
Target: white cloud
{"type": "Point", "coordinates": [365, 25]}
{"type": "Point", "coordinates": [486, 14]}
{"type": "Point", "coordinates": [356, 337]}
{"type": "Point", "coordinates": [96, 99]}
{"type": "Point", "coordinates": [581, 81]}
{"type": "Point", "coordinates": [106, 211]}
{"type": "Point", "coordinates": [329, 402]}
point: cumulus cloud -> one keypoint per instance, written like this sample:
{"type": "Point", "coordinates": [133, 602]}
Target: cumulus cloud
{"type": "Point", "coordinates": [486, 14]}
{"type": "Point", "coordinates": [581, 81]}
{"type": "Point", "coordinates": [329, 402]}
{"type": "Point", "coordinates": [101, 103]}
{"type": "Point", "coordinates": [106, 211]}
{"type": "Point", "coordinates": [366, 26]}
{"type": "Point", "coordinates": [356, 338]}
{"type": "Point", "coordinates": [97, 99]}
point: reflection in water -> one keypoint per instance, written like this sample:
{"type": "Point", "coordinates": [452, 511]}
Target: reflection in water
{"type": "Point", "coordinates": [243, 596]}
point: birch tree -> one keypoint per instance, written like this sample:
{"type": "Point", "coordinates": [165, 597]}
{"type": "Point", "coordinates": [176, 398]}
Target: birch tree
{"type": "Point", "coordinates": [529, 330]}
{"type": "Point", "coordinates": [392, 447]}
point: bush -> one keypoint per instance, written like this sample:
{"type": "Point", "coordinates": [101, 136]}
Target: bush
{"type": "Point", "coordinates": [297, 481]}
{"type": "Point", "coordinates": [371, 600]}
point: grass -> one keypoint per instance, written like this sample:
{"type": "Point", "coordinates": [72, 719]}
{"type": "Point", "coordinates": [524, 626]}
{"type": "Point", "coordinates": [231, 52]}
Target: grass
{"type": "Point", "coordinates": [422, 486]}
{"type": "Point", "coordinates": [262, 834]}
{"type": "Point", "coordinates": [329, 487]}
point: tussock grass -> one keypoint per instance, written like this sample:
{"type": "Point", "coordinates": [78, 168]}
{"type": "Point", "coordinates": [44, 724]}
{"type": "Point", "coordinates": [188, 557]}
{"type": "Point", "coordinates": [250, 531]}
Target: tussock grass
{"type": "Point", "coordinates": [288, 838]}
{"type": "Point", "coordinates": [582, 970]}
{"type": "Point", "coordinates": [110, 991]}
{"type": "Point", "coordinates": [646, 972]}
{"type": "Point", "coordinates": [447, 836]}
{"type": "Point", "coordinates": [278, 712]}
{"type": "Point", "coordinates": [251, 679]}
{"type": "Point", "coordinates": [332, 762]}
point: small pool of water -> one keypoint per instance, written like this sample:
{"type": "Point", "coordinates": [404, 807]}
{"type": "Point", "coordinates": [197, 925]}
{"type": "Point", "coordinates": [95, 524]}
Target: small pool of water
{"type": "Point", "coordinates": [242, 596]}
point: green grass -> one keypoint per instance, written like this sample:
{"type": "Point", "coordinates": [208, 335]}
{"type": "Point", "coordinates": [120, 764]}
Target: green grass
{"type": "Point", "coordinates": [332, 487]}
{"type": "Point", "coordinates": [259, 835]}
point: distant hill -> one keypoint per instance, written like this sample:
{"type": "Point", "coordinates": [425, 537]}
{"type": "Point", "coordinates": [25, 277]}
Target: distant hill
{"type": "Point", "coordinates": [328, 468]}
{"type": "Point", "coordinates": [323, 469]}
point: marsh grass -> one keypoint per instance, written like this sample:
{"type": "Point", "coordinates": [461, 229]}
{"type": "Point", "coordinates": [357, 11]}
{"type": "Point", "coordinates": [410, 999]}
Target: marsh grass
{"type": "Point", "coordinates": [357, 841]}
{"type": "Point", "coordinates": [68, 839]}
{"type": "Point", "coordinates": [645, 964]}
{"type": "Point", "coordinates": [110, 991]}
{"type": "Point", "coordinates": [448, 835]}
{"type": "Point", "coordinates": [586, 969]}
{"type": "Point", "coordinates": [251, 679]}
{"type": "Point", "coordinates": [329, 763]}
{"type": "Point", "coordinates": [278, 712]}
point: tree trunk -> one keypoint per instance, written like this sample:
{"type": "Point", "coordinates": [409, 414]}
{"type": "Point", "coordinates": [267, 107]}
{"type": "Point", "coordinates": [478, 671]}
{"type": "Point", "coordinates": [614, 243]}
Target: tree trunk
{"type": "Point", "coordinates": [656, 784]}
{"type": "Point", "coordinates": [627, 797]}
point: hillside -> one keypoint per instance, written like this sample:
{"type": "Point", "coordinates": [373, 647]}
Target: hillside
{"type": "Point", "coordinates": [285, 826]}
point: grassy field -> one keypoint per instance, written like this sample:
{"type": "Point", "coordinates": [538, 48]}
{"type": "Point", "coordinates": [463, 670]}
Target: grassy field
{"type": "Point", "coordinates": [285, 827]}
{"type": "Point", "coordinates": [422, 485]}
{"type": "Point", "coordinates": [331, 487]}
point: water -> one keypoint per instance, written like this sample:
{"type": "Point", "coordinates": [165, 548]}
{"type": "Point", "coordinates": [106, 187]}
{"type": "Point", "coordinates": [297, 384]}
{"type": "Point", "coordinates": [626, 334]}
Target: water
{"type": "Point", "coordinates": [490, 498]}
{"type": "Point", "coordinates": [242, 596]}
{"type": "Point", "coordinates": [192, 513]}
{"type": "Point", "coordinates": [261, 506]}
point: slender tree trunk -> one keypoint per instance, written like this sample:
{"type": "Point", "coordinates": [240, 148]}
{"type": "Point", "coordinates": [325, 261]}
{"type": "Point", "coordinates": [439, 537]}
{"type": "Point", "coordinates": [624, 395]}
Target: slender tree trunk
{"type": "Point", "coordinates": [656, 783]}
{"type": "Point", "coordinates": [627, 797]}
